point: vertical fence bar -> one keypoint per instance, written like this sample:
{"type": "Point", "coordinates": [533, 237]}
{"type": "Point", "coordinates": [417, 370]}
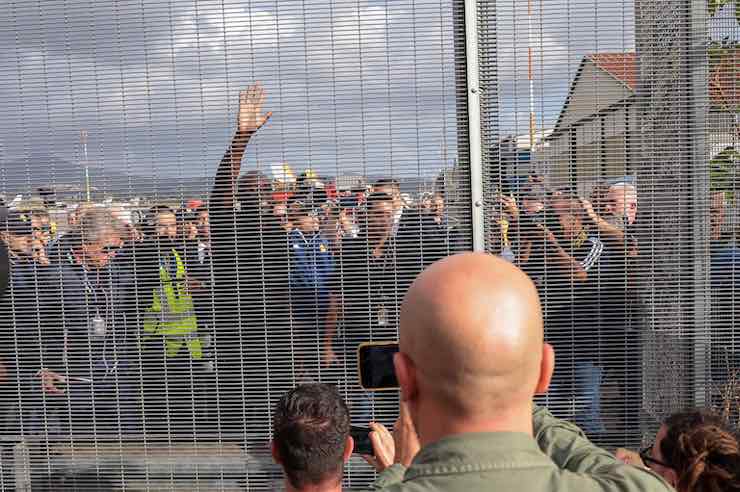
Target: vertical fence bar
{"type": "Point", "coordinates": [474, 124]}
{"type": "Point", "coordinates": [698, 64]}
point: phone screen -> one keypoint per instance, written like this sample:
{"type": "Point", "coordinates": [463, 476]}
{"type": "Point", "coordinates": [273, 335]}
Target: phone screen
{"type": "Point", "coordinates": [361, 437]}
{"type": "Point", "coordinates": [376, 365]}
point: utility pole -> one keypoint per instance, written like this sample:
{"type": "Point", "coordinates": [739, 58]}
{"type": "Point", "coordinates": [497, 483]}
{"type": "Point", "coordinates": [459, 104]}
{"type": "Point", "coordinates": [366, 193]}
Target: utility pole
{"type": "Point", "coordinates": [530, 75]}
{"type": "Point", "coordinates": [83, 144]}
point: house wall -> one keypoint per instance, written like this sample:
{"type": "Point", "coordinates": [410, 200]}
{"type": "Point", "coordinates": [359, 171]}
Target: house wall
{"type": "Point", "coordinates": [594, 91]}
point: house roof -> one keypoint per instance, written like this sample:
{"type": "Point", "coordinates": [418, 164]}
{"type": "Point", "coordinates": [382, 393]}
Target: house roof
{"type": "Point", "coordinates": [724, 81]}
{"type": "Point", "coordinates": [621, 66]}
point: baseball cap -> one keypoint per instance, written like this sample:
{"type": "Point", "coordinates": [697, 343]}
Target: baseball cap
{"type": "Point", "coordinates": [16, 223]}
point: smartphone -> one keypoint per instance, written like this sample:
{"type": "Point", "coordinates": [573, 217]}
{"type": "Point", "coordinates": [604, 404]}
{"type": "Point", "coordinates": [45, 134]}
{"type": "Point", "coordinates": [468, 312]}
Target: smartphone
{"type": "Point", "coordinates": [361, 437]}
{"type": "Point", "coordinates": [375, 362]}
{"type": "Point", "coordinates": [348, 202]}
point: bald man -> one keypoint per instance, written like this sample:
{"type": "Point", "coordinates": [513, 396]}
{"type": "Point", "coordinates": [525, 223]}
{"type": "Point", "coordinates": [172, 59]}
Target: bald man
{"type": "Point", "coordinates": [471, 359]}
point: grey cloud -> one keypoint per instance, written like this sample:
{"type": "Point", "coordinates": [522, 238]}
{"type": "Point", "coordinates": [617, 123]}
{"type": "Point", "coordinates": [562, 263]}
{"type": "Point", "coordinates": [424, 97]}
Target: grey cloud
{"type": "Point", "coordinates": [352, 86]}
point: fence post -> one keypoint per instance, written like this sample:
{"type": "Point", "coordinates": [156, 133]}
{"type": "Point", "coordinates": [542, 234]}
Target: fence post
{"type": "Point", "coordinates": [22, 467]}
{"type": "Point", "coordinates": [474, 125]}
{"type": "Point", "coordinates": [698, 63]}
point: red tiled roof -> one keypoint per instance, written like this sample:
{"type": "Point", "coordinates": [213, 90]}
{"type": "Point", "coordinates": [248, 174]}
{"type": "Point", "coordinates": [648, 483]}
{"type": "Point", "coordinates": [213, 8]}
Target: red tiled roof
{"type": "Point", "coordinates": [724, 81]}
{"type": "Point", "coordinates": [621, 66]}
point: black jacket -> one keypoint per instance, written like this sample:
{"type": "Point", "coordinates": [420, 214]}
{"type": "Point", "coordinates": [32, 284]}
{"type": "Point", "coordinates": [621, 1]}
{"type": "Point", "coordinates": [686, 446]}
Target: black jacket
{"type": "Point", "coordinates": [22, 321]}
{"type": "Point", "coordinates": [74, 298]}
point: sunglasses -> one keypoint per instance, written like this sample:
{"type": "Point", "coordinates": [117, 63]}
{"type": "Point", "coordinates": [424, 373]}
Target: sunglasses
{"type": "Point", "coordinates": [647, 458]}
{"type": "Point", "coordinates": [109, 250]}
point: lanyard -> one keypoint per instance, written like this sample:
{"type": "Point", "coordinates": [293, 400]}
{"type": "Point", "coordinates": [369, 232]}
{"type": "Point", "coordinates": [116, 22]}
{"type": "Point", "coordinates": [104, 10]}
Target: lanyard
{"type": "Point", "coordinates": [97, 326]}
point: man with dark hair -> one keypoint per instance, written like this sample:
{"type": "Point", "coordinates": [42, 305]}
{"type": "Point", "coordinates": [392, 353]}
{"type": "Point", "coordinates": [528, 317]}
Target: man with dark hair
{"type": "Point", "coordinates": [20, 314]}
{"type": "Point", "coordinates": [392, 188]}
{"type": "Point", "coordinates": [251, 278]}
{"type": "Point", "coordinates": [311, 438]}
{"type": "Point", "coordinates": [572, 257]}
{"type": "Point", "coordinates": [313, 304]}
{"type": "Point", "coordinates": [367, 277]}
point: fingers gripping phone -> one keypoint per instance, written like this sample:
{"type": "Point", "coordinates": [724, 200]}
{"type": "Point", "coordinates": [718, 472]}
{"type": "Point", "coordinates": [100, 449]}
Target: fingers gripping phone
{"type": "Point", "coordinates": [375, 363]}
{"type": "Point", "coordinates": [361, 437]}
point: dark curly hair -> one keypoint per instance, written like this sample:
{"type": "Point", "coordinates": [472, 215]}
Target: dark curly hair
{"type": "Point", "coordinates": [703, 451]}
{"type": "Point", "coordinates": [310, 429]}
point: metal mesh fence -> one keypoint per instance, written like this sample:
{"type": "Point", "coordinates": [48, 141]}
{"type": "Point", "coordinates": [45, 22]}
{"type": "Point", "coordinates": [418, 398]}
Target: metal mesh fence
{"type": "Point", "coordinates": [213, 202]}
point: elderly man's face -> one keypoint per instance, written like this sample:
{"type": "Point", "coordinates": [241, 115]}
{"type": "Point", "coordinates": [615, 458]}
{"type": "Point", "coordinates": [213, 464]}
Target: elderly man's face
{"type": "Point", "coordinates": [438, 205]}
{"type": "Point", "coordinates": [623, 203]}
{"type": "Point", "coordinates": [98, 254]}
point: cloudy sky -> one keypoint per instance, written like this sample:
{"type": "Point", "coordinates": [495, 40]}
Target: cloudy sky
{"type": "Point", "coordinates": [359, 86]}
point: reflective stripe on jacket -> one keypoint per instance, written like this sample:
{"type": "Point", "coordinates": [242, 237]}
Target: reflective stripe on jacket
{"type": "Point", "coordinates": [172, 313]}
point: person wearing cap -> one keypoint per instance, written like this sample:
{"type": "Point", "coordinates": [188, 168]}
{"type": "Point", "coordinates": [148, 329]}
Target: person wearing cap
{"type": "Point", "coordinates": [313, 304]}
{"type": "Point", "coordinates": [20, 313]}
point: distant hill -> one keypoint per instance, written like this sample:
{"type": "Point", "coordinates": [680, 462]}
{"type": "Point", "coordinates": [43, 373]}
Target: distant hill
{"type": "Point", "coordinates": [25, 176]}
{"type": "Point", "coordinates": [40, 170]}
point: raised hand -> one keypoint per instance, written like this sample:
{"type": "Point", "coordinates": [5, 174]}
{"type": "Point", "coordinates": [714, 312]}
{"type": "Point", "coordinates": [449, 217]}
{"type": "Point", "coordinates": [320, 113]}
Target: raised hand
{"type": "Point", "coordinates": [509, 204]}
{"type": "Point", "coordinates": [250, 117]}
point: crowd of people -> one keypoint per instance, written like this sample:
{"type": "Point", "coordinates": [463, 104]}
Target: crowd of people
{"type": "Point", "coordinates": [133, 323]}
{"type": "Point", "coordinates": [197, 319]}
{"type": "Point", "coordinates": [468, 419]}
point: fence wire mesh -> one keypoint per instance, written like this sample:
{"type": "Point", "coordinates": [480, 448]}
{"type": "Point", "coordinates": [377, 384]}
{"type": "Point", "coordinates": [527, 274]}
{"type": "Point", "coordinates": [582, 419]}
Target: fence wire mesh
{"type": "Point", "coordinates": [212, 202]}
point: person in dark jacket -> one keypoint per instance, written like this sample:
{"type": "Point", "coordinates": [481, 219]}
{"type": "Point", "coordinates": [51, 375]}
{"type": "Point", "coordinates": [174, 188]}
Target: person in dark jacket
{"type": "Point", "coordinates": [86, 380]}
{"type": "Point", "coordinates": [312, 301]}
{"type": "Point", "coordinates": [251, 272]}
{"type": "Point", "coordinates": [20, 319]}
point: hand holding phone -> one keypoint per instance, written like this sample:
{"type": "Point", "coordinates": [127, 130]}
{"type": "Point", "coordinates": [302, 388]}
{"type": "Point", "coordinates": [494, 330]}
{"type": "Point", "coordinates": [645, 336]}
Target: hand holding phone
{"type": "Point", "coordinates": [361, 438]}
{"type": "Point", "coordinates": [383, 447]}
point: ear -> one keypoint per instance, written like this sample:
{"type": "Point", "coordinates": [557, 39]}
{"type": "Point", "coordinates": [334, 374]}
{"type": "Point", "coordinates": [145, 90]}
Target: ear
{"type": "Point", "coordinates": [275, 452]}
{"type": "Point", "coordinates": [349, 446]}
{"type": "Point", "coordinates": [547, 366]}
{"type": "Point", "coordinates": [406, 375]}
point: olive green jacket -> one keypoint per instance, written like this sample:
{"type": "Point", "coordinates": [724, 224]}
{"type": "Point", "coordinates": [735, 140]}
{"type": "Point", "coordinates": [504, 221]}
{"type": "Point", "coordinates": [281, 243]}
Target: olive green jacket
{"type": "Point", "coordinates": [560, 457]}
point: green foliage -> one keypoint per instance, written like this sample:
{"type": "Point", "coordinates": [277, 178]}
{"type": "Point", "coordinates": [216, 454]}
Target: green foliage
{"type": "Point", "coordinates": [715, 5]}
{"type": "Point", "coordinates": [723, 172]}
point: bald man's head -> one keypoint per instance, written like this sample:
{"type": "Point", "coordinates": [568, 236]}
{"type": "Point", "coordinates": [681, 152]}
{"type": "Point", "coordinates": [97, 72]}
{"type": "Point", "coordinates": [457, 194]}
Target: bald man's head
{"type": "Point", "coordinates": [471, 326]}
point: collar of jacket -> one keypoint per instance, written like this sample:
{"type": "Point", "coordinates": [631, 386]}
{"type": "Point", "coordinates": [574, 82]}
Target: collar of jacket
{"type": "Point", "coordinates": [478, 452]}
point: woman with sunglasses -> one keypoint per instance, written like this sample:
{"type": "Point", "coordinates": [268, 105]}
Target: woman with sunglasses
{"type": "Point", "coordinates": [694, 451]}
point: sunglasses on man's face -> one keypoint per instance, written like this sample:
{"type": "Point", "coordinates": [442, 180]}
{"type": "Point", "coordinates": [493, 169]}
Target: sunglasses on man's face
{"type": "Point", "coordinates": [647, 458]}
{"type": "Point", "coordinates": [109, 250]}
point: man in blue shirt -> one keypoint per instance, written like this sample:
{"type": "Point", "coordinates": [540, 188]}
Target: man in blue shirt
{"type": "Point", "coordinates": [312, 302]}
